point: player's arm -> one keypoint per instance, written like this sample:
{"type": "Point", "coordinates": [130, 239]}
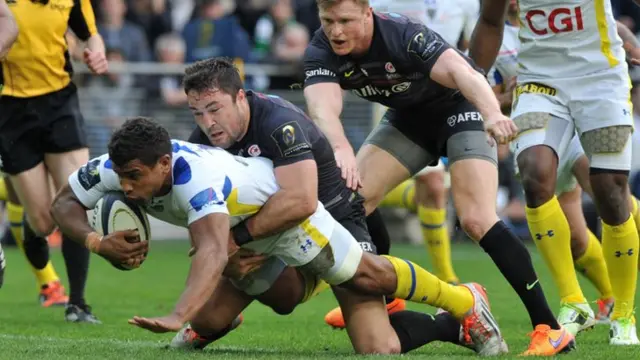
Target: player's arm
{"type": "Point", "coordinates": [209, 236]}
{"type": "Point", "coordinates": [446, 66]}
{"type": "Point", "coordinates": [83, 23]}
{"type": "Point", "coordinates": [323, 95]}
{"type": "Point", "coordinates": [297, 176]}
{"type": "Point", "coordinates": [69, 210]}
{"type": "Point", "coordinates": [487, 36]}
{"type": "Point", "coordinates": [8, 29]}
{"type": "Point", "coordinates": [629, 42]}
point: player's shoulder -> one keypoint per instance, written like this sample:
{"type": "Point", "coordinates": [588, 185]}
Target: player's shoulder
{"type": "Point", "coordinates": [273, 112]}
{"type": "Point", "coordinates": [401, 33]}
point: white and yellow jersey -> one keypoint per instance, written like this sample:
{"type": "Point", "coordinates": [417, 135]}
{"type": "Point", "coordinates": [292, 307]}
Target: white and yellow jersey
{"type": "Point", "coordinates": [449, 18]}
{"type": "Point", "coordinates": [209, 180]}
{"type": "Point", "coordinates": [506, 64]}
{"type": "Point", "coordinates": [568, 38]}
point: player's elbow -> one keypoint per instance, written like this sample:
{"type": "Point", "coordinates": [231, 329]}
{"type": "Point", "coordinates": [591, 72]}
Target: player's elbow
{"type": "Point", "coordinates": [308, 204]}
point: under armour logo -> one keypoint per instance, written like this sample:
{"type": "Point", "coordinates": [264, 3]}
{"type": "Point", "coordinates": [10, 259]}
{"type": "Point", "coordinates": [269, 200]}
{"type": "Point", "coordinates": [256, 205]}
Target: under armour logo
{"type": "Point", "coordinates": [549, 233]}
{"type": "Point", "coordinates": [626, 112]}
{"type": "Point", "coordinates": [628, 252]}
{"type": "Point", "coordinates": [306, 246]}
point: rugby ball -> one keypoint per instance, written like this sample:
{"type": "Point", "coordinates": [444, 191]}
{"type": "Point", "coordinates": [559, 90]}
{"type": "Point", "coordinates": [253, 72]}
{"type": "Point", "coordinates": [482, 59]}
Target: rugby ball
{"type": "Point", "coordinates": [114, 212]}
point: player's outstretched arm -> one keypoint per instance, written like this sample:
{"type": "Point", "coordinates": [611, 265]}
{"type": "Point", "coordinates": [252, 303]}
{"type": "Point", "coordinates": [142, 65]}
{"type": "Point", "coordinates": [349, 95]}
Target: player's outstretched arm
{"type": "Point", "coordinates": [209, 236]}
{"type": "Point", "coordinates": [453, 71]}
{"type": "Point", "coordinates": [324, 102]}
{"type": "Point", "coordinates": [487, 35]}
{"type": "Point", "coordinates": [8, 29]}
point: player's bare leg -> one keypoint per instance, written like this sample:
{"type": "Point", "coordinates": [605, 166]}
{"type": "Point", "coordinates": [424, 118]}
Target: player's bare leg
{"type": "Point", "coordinates": [610, 153]}
{"type": "Point", "coordinates": [431, 194]}
{"type": "Point", "coordinates": [37, 253]}
{"type": "Point", "coordinates": [76, 257]}
{"type": "Point", "coordinates": [587, 252]}
{"type": "Point", "coordinates": [474, 198]}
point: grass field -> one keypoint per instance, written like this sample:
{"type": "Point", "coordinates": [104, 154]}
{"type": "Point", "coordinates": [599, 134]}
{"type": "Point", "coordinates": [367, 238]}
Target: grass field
{"type": "Point", "coordinates": [30, 332]}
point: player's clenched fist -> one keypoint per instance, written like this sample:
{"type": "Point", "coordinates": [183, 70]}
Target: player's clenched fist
{"type": "Point", "coordinates": [501, 128]}
{"type": "Point", "coordinates": [96, 61]}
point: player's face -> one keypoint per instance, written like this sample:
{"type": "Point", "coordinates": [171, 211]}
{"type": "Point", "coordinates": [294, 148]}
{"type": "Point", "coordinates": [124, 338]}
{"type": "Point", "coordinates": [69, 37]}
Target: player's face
{"type": "Point", "coordinates": [218, 116]}
{"type": "Point", "coordinates": [140, 183]}
{"type": "Point", "coordinates": [513, 7]}
{"type": "Point", "coordinates": [345, 26]}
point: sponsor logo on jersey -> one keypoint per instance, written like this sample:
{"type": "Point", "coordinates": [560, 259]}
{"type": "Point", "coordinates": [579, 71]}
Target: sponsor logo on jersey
{"type": "Point", "coordinates": [371, 90]}
{"type": "Point", "coordinates": [389, 67]}
{"type": "Point", "coordinates": [532, 88]}
{"type": "Point", "coordinates": [254, 150]}
{"type": "Point", "coordinates": [319, 72]}
{"type": "Point", "coordinates": [464, 117]}
{"type": "Point", "coordinates": [89, 175]}
{"type": "Point", "coordinates": [288, 135]}
{"type": "Point", "coordinates": [425, 47]}
{"type": "Point", "coordinates": [204, 199]}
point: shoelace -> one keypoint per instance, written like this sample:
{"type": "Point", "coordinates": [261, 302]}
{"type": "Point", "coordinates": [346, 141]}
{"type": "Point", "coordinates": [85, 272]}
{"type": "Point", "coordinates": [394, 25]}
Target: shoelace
{"type": "Point", "coordinates": [472, 323]}
{"type": "Point", "coordinates": [538, 337]}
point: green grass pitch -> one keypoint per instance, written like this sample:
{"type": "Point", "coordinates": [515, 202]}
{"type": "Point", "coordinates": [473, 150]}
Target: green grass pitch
{"type": "Point", "coordinates": [30, 332]}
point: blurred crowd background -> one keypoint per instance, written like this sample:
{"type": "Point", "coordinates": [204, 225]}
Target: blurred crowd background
{"type": "Point", "coordinates": [149, 41]}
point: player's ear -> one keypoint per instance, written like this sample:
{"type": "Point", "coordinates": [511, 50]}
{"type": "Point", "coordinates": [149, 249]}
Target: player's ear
{"type": "Point", "coordinates": [240, 95]}
{"type": "Point", "coordinates": [165, 163]}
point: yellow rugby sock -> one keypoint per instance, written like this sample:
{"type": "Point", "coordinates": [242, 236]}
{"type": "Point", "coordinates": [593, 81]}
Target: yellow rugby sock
{"type": "Point", "coordinates": [550, 231]}
{"type": "Point", "coordinates": [593, 266]}
{"type": "Point", "coordinates": [4, 195]}
{"type": "Point", "coordinates": [620, 248]}
{"type": "Point", "coordinates": [418, 285]}
{"type": "Point", "coordinates": [436, 238]}
{"type": "Point", "coordinates": [15, 214]}
{"type": "Point", "coordinates": [403, 196]}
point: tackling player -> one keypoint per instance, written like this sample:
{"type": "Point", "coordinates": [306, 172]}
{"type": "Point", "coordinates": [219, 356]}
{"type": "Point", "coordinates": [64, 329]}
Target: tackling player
{"type": "Point", "coordinates": [210, 191]}
{"type": "Point", "coordinates": [8, 35]}
{"type": "Point", "coordinates": [267, 126]}
{"type": "Point", "coordinates": [439, 105]}
{"type": "Point", "coordinates": [41, 128]}
{"type": "Point", "coordinates": [585, 88]}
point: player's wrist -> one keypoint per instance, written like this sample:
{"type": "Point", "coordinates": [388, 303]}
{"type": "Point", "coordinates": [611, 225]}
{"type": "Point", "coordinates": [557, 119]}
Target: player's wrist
{"type": "Point", "coordinates": [241, 234]}
{"type": "Point", "coordinates": [92, 242]}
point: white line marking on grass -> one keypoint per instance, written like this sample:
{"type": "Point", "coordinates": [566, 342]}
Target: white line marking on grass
{"type": "Point", "coordinates": [121, 343]}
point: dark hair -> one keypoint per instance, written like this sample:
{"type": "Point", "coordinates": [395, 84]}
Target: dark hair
{"type": "Point", "coordinates": [214, 73]}
{"type": "Point", "coordinates": [139, 138]}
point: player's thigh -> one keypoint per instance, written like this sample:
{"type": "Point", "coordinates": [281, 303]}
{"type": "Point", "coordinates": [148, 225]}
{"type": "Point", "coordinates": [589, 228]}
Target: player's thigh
{"type": "Point", "coordinates": [65, 145]}
{"type": "Point", "coordinates": [224, 305]}
{"type": "Point", "coordinates": [367, 323]}
{"type": "Point", "coordinates": [287, 291]}
{"type": "Point", "coordinates": [390, 155]}
{"type": "Point", "coordinates": [602, 109]}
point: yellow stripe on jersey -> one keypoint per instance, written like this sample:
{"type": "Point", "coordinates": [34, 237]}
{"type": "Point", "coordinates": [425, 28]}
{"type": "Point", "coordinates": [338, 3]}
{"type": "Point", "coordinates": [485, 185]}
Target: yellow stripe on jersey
{"type": "Point", "coordinates": [237, 208]}
{"type": "Point", "coordinates": [315, 234]}
{"type": "Point", "coordinates": [603, 30]}
{"type": "Point", "coordinates": [39, 61]}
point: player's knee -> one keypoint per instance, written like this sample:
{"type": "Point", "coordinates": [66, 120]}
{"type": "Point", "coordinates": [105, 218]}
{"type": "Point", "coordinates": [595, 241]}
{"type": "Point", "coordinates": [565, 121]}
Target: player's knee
{"type": "Point", "coordinates": [41, 222]}
{"type": "Point", "coordinates": [387, 346]}
{"type": "Point", "coordinates": [375, 276]}
{"type": "Point", "coordinates": [430, 188]}
{"type": "Point", "coordinates": [610, 191]}
{"type": "Point", "coordinates": [538, 175]}
{"type": "Point", "coordinates": [476, 223]}
{"type": "Point", "coordinates": [284, 306]}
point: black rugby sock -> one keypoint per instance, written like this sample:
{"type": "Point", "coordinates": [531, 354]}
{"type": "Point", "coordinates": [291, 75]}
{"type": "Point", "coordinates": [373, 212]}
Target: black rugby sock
{"type": "Point", "coordinates": [36, 248]}
{"type": "Point", "coordinates": [378, 231]}
{"type": "Point", "coordinates": [416, 329]}
{"type": "Point", "coordinates": [514, 261]}
{"type": "Point", "coordinates": [379, 237]}
{"type": "Point", "coordinates": [76, 259]}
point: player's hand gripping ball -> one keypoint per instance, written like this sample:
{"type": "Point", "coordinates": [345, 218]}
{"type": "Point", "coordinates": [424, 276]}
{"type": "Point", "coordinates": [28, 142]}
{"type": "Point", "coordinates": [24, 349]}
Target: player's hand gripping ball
{"type": "Point", "coordinates": [116, 218]}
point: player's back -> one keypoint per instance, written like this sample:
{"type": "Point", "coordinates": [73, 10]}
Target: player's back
{"type": "Point", "coordinates": [567, 38]}
{"type": "Point", "coordinates": [214, 175]}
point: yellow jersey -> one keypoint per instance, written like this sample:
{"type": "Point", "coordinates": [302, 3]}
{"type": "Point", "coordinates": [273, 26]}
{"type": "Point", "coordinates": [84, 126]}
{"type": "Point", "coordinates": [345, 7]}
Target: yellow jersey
{"type": "Point", "coordinates": [39, 62]}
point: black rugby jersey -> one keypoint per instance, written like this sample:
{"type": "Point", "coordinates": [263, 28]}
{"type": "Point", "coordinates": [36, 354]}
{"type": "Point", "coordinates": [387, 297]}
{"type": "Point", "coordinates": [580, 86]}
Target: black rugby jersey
{"type": "Point", "coordinates": [283, 133]}
{"type": "Point", "coordinates": [394, 72]}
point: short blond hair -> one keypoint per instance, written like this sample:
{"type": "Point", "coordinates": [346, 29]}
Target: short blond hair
{"type": "Point", "coordinates": [324, 4]}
